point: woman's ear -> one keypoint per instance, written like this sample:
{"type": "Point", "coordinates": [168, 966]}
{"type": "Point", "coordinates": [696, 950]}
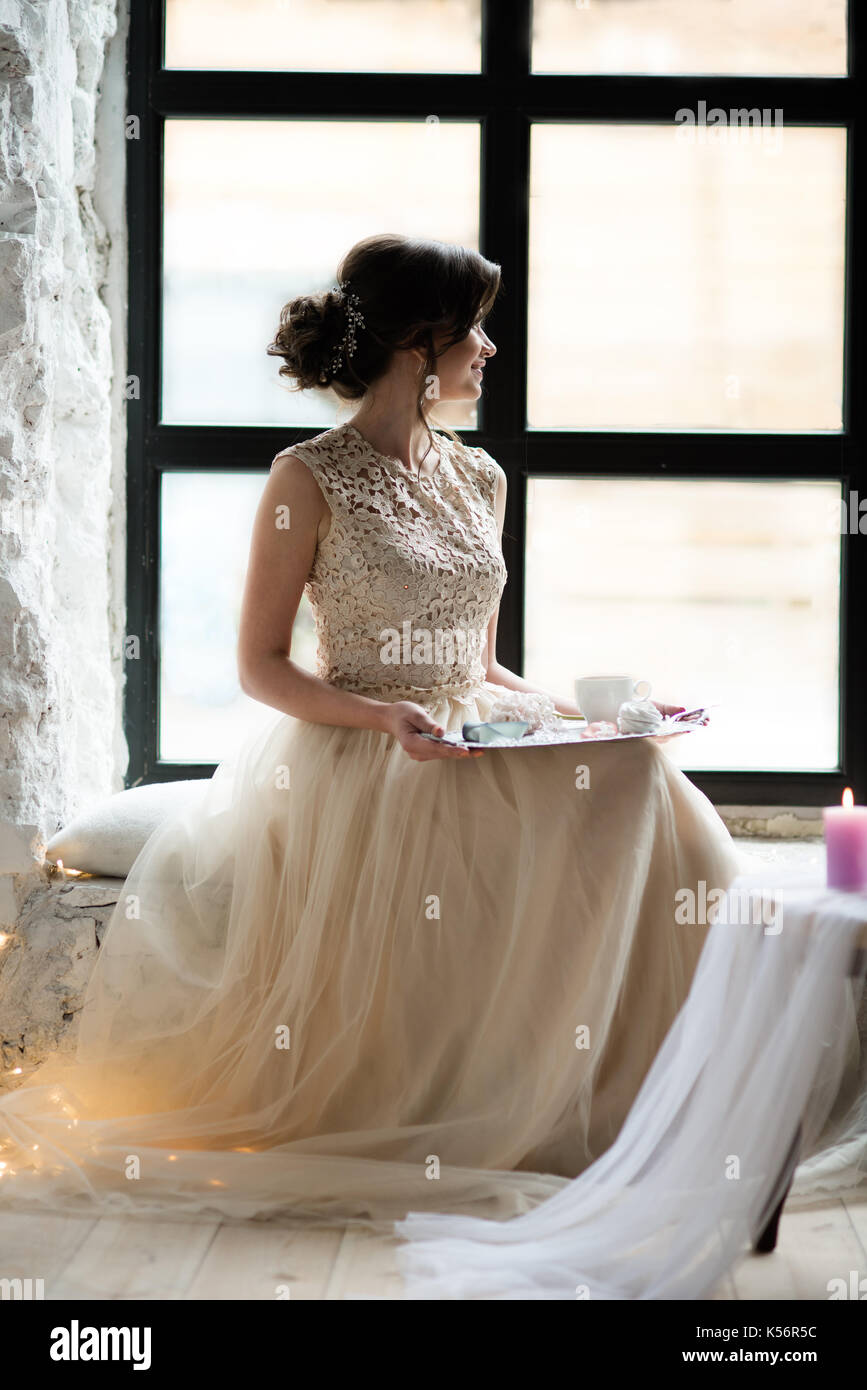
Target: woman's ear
{"type": "Point", "coordinates": [419, 348]}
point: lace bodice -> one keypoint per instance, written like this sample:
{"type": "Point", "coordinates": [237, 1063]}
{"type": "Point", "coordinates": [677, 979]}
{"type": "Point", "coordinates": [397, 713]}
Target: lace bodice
{"type": "Point", "coordinates": [410, 572]}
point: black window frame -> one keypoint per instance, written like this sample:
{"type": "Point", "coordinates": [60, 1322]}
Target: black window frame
{"type": "Point", "coordinates": [506, 98]}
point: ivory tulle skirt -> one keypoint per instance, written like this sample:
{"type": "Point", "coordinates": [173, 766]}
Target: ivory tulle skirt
{"type": "Point", "coordinates": [348, 985]}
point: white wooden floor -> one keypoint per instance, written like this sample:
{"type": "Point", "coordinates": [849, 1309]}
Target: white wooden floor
{"type": "Point", "coordinates": [116, 1258]}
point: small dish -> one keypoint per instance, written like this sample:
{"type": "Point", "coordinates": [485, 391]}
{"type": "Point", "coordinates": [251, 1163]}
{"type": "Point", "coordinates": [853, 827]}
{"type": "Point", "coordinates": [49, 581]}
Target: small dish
{"type": "Point", "coordinates": [495, 730]}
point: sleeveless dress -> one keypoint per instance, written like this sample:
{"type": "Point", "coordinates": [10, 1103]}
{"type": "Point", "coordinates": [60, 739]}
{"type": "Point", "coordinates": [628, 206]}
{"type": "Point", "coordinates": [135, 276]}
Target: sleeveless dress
{"type": "Point", "coordinates": [349, 984]}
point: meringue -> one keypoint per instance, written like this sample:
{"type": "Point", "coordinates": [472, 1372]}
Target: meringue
{"type": "Point", "coordinates": [600, 728]}
{"type": "Point", "coordinates": [638, 717]}
{"type": "Point", "coordinates": [531, 707]}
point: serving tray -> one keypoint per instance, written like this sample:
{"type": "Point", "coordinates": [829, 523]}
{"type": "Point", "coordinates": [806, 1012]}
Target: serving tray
{"type": "Point", "coordinates": [575, 731]}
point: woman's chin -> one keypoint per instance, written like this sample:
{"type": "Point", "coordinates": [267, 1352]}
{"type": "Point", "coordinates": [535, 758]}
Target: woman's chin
{"type": "Point", "coordinates": [462, 393]}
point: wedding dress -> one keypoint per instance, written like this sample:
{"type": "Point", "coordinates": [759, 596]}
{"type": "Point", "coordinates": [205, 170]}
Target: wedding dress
{"type": "Point", "coordinates": [349, 985]}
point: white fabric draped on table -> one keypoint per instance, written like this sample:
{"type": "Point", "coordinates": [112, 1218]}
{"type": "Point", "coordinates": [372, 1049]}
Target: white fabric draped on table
{"type": "Point", "coordinates": [767, 1039]}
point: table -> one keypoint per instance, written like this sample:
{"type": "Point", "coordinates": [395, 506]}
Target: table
{"type": "Point", "coordinates": [765, 1239]}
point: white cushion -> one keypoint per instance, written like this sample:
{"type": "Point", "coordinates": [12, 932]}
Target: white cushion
{"type": "Point", "coordinates": [108, 837]}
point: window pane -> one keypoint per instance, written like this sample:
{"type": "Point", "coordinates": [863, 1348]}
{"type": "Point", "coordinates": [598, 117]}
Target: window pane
{"type": "Point", "coordinates": [207, 521]}
{"type": "Point", "coordinates": [712, 590]}
{"type": "Point", "coordinates": [679, 280]}
{"type": "Point", "coordinates": [325, 35]}
{"type": "Point", "coordinates": [259, 211]}
{"type": "Point", "coordinates": [798, 37]}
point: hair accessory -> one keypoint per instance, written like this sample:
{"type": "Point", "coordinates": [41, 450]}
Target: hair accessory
{"type": "Point", "coordinates": [354, 319]}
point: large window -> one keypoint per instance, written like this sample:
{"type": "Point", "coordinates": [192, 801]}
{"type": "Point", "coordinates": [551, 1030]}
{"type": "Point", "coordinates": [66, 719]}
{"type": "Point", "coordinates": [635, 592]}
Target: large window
{"type": "Point", "coordinates": [673, 190]}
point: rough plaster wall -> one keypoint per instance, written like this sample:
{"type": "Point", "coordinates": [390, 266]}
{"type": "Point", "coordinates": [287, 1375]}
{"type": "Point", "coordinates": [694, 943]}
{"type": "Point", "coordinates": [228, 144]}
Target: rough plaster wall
{"type": "Point", "coordinates": [774, 822]}
{"type": "Point", "coordinates": [62, 367]}
{"type": "Point", "coordinates": [46, 967]}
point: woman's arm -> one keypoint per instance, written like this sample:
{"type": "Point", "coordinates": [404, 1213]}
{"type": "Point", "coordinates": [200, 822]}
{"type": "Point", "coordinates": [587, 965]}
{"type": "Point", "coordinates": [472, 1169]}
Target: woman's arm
{"type": "Point", "coordinates": [501, 675]}
{"type": "Point", "coordinates": [278, 568]}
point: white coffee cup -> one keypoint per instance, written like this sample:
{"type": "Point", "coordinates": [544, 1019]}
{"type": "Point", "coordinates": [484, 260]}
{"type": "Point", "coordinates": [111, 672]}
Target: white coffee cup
{"type": "Point", "coordinates": [600, 697]}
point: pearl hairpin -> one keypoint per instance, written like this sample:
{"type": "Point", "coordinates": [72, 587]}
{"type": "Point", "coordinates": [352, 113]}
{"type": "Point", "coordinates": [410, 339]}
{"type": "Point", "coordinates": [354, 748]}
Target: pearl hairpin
{"type": "Point", "coordinates": [354, 319]}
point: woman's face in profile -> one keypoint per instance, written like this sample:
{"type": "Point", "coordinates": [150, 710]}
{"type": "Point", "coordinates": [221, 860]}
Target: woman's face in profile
{"type": "Point", "coordinates": [460, 369]}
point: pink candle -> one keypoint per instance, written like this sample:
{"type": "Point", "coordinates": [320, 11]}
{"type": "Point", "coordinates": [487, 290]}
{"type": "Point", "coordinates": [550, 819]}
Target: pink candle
{"type": "Point", "coordinates": [846, 843]}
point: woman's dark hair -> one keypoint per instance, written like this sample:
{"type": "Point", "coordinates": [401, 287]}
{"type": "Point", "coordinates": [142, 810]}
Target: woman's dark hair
{"type": "Point", "coordinates": [411, 292]}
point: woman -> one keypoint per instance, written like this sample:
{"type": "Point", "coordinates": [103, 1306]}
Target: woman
{"type": "Point", "coordinates": [359, 979]}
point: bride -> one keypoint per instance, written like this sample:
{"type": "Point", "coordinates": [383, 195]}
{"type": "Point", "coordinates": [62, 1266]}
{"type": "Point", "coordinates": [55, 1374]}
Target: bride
{"type": "Point", "coordinates": [356, 979]}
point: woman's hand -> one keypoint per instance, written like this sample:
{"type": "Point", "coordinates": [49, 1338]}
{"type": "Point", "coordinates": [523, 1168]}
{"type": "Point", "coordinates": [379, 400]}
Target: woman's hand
{"type": "Point", "coordinates": [406, 721]}
{"type": "Point", "coordinates": [668, 710]}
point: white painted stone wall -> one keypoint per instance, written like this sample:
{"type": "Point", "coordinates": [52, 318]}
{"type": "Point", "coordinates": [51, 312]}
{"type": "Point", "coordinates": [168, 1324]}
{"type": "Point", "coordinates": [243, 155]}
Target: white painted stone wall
{"type": "Point", "coordinates": [62, 423]}
{"type": "Point", "coordinates": [47, 963]}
